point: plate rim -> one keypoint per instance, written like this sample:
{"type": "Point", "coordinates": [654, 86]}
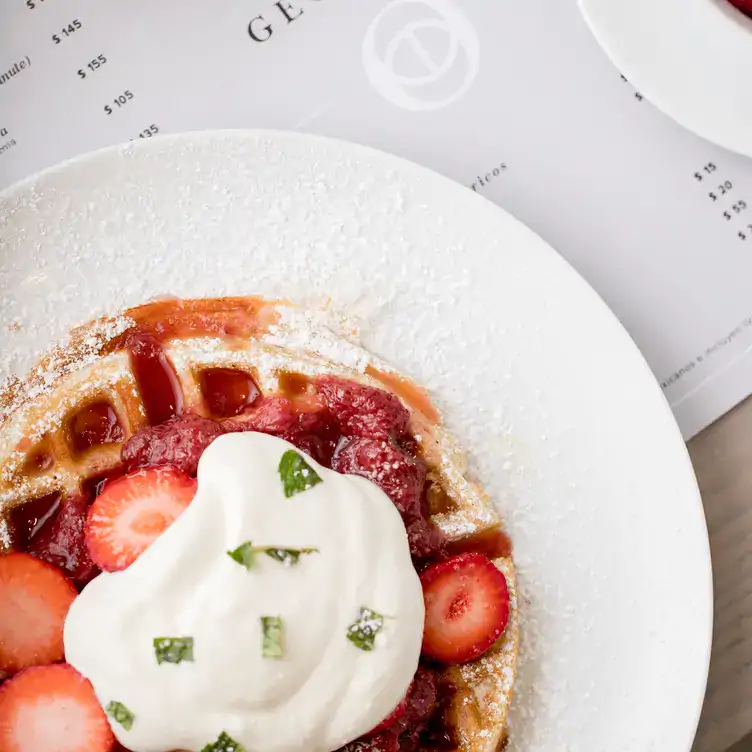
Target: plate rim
{"type": "Point", "coordinates": [574, 277]}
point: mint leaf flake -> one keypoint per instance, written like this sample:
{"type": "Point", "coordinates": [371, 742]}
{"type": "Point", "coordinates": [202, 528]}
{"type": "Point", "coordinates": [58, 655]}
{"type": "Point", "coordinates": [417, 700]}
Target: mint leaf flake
{"type": "Point", "coordinates": [121, 714]}
{"type": "Point", "coordinates": [273, 640]}
{"type": "Point", "coordinates": [362, 632]}
{"type": "Point", "coordinates": [288, 556]}
{"type": "Point", "coordinates": [173, 649]}
{"type": "Point", "coordinates": [296, 474]}
{"type": "Point", "coordinates": [224, 743]}
{"type": "Point", "coordinates": [244, 554]}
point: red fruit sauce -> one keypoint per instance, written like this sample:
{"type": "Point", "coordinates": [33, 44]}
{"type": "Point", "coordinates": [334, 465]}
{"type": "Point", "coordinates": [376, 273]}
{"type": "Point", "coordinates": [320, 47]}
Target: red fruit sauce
{"type": "Point", "coordinates": [157, 381]}
{"type": "Point", "coordinates": [92, 425]}
{"type": "Point", "coordinates": [227, 392]}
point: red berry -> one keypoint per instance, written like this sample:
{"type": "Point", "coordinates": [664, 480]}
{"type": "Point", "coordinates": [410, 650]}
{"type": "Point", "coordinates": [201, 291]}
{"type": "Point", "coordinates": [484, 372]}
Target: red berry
{"type": "Point", "coordinates": [363, 410]}
{"type": "Point", "coordinates": [399, 476]}
{"type": "Point", "coordinates": [393, 717]}
{"type": "Point", "coordinates": [132, 512]}
{"type": "Point", "coordinates": [310, 430]}
{"type": "Point", "coordinates": [467, 608]}
{"type": "Point", "coordinates": [424, 538]}
{"type": "Point", "coordinates": [745, 6]}
{"type": "Point", "coordinates": [35, 598]}
{"type": "Point", "coordinates": [61, 542]}
{"type": "Point", "coordinates": [52, 708]}
{"type": "Point", "coordinates": [178, 442]}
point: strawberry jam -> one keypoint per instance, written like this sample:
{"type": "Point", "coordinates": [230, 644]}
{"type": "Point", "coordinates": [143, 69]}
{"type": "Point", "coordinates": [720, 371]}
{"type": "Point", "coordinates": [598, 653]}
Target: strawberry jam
{"type": "Point", "coordinates": [227, 392]}
{"type": "Point", "coordinates": [25, 520]}
{"type": "Point", "coordinates": [38, 462]}
{"type": "Point", "coordinates": [157, 381]}
{"type": "Point", "coordinates": [93, 425]}
{"type": "Point", "coordinates": [494, 544]}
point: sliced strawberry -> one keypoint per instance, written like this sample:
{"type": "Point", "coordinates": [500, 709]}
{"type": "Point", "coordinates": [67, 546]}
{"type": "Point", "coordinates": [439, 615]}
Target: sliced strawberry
{"type": "Point", "coordinates": [467, 608]}
{"type": "Point", "coordinates": [60, 541]}
{"type": "Point", "coordinates": [393, 717]}
{"type": "Point", "coordinates": [132, 512]}
{"type": "Point", "coordinates": [34, 601]}
{"type": "Point", "coordinates": [52, 708]}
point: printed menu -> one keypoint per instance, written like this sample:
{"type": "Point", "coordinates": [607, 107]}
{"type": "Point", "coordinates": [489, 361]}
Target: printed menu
{"type": "Point", "coordinates": [515, 100]}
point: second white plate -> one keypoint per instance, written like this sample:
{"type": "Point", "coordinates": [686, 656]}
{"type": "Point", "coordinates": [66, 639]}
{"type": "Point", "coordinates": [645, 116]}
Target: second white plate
{"type": "Point", "coordinates": [691, 58]}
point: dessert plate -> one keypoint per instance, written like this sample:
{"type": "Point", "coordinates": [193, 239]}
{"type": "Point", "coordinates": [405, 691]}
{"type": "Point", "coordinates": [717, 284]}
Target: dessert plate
{"type": "Point", "coordinates": [561, 416]}
{"type": "Point", "coordinates": [690, 58]}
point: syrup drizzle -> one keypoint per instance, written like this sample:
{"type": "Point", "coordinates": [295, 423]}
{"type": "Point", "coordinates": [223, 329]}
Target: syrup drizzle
{"type": "Point", "coordinates": [157, 381]}
{"type": "Point", "coordinates": [227, 392]}
{"type": "Point", "coordinates": [25, 520]}
{"type": "Point", "coordinates": [95, 424]}
{"type": "Point", "coordinates": [493, 543]}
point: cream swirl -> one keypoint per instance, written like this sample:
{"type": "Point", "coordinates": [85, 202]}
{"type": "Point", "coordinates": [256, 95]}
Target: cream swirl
{"type": "Point", "coordinates": [324, 690]}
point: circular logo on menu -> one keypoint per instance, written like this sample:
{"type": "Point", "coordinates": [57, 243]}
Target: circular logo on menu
{"type": "Point", "coordinates": [421, 54]}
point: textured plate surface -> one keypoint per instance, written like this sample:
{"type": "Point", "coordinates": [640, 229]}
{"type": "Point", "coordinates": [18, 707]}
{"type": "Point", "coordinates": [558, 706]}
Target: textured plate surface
{"type": "Point", "coordinates": [690, 58]}
{"type": "Point", "coordinates": [563, 421]}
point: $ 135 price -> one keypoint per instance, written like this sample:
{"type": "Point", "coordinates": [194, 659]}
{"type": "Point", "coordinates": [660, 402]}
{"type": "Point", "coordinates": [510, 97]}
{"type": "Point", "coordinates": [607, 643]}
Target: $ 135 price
{"type": "Point", "coordinates": [119, 101]}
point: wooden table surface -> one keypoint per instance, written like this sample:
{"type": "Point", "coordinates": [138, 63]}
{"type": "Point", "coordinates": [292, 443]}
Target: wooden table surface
{"type": "Point", "coordinates": [722, 457]}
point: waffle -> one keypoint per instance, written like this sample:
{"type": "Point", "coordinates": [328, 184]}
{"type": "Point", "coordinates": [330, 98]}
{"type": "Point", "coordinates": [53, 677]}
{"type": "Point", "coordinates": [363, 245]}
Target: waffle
{"type": "Point", "coordinates": [46, 450]}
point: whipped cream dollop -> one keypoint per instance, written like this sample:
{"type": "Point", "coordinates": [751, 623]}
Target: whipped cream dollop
{"type": "Point", "coordinates": [307, 685]}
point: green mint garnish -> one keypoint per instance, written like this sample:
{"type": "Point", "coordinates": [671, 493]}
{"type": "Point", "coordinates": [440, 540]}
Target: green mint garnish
{"type": "Point", "coordinates": [224, 743]}
{"type": "Point", "coordinates": [121, 714]}
{"type": "Point", "coordinates": [362, 633]}
{"type": "Point", "coordinates": [296, 474]}
{"type": "Point", "coordinates": [273, 642]}
{"type": "Point", "coordinates": [287, 556]}
{"type": "Point", "coordinates": [173, 649]}
{"type": "Point", "coordinates": [245, 554]}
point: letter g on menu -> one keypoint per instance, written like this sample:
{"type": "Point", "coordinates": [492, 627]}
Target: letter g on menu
{"type": "Point", "coordinates": [421, 54]}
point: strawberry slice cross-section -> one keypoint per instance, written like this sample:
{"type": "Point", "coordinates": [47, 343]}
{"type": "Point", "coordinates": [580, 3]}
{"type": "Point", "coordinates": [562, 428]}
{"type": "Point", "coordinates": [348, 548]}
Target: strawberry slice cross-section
{"type": "Point", "coordinates": [132, 512]}
{"type": "Point", "coordinates": [467, 608]}
{"type": "Point", "coordinates": [52, 708]}
{"type": "Point", "coordinates": [34, 601]}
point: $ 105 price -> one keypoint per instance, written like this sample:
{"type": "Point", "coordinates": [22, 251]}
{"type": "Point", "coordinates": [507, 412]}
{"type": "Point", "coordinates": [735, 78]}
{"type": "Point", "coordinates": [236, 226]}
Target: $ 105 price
{"type": "Point", "coordinates": [119, 101]}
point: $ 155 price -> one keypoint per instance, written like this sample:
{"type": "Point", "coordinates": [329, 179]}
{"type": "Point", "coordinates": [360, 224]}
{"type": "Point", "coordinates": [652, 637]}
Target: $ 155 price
{"type": "Point", "coordinates": [92, 66]}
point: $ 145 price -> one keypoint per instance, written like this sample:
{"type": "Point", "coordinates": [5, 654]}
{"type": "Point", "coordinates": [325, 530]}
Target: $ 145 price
{"type": "Point", "coordinates": [67, 31]}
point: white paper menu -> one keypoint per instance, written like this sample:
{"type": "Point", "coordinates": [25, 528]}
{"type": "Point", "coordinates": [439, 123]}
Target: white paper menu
{"type": "Point", "coordinates": [513, 99]}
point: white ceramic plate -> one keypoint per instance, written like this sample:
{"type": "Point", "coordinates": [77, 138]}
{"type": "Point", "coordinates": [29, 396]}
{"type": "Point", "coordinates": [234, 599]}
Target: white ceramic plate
{"type": "Point", "coordinates": [563, 420]}
{"type": "Point", "coordinates": [690, 58]}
